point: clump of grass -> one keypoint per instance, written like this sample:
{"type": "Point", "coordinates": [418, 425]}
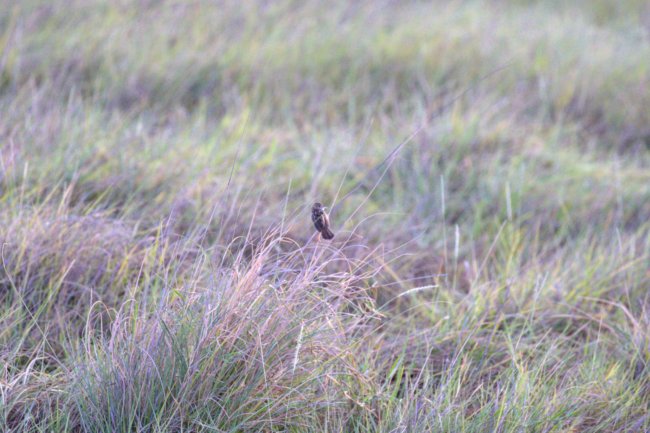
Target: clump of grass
{"type": "Point", "coordinates": [266, 346]}
{"type": "Point", "coordinates": [56, 264]}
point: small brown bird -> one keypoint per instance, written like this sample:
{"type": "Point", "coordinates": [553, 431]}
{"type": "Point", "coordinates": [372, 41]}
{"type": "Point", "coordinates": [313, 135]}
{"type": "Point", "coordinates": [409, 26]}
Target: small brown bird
{"type": "Point", "coordinates": [321, 220]}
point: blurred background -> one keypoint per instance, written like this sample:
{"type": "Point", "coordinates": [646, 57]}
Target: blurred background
{"type": "Point", "coordinates": [151, 104]}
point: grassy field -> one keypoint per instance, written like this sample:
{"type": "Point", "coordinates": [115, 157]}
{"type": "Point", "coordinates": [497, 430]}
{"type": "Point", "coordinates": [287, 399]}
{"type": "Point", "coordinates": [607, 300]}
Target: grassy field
{"type": "Point", "coordinates": [487, 166]}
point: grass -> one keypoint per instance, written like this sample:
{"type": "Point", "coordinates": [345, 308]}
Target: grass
{"type": "Point", "coordinates": [487, 166]}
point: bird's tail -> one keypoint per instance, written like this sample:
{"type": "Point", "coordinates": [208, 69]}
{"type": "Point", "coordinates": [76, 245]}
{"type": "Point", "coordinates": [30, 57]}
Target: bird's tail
{"type": "Point", "coordinates": [327, 233]}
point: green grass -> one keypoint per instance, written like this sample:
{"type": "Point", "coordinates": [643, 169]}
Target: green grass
{"type": "Point", "coordinates": [159, 271]}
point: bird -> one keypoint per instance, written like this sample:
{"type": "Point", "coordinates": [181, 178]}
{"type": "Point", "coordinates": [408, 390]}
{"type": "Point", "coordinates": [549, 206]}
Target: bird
{"type": "Point", "coordinates": [321, 220]}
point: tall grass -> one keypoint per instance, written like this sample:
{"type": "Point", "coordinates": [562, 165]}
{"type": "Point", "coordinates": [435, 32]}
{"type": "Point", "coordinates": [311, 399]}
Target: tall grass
{"type": "Point", "coordinates": [159, 271]}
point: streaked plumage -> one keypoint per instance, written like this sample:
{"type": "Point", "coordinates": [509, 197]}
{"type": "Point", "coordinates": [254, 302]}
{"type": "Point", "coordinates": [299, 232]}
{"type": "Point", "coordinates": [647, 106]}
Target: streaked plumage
{"type": "Point", "coordinates": [321, 221]}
